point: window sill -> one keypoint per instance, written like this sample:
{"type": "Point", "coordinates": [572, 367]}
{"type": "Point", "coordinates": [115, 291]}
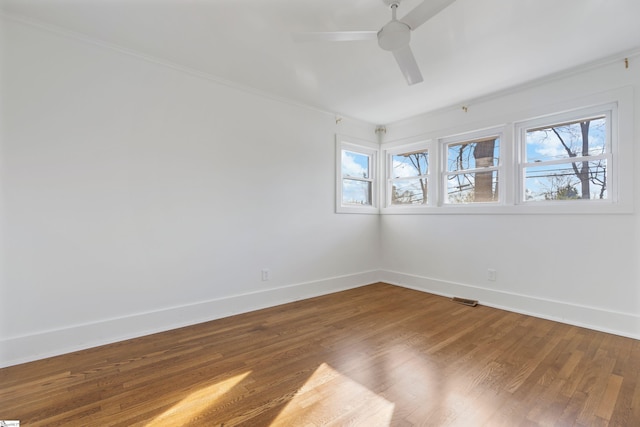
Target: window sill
{"type": "Point", "coordinates": [543, 208]}
{"type": "Point", "coordinates": [366, 210]}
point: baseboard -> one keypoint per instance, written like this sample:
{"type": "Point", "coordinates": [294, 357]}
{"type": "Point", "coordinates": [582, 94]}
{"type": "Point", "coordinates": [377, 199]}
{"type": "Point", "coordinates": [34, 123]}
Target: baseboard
{"type": "Point", "coordinates": [16, 350]}
{"type": "Point", "coordinates": [44, 344]}
{"type": "Point", "coordinates": [618, 323]}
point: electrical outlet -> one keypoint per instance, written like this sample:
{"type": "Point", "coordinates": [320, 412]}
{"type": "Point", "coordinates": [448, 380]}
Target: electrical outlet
{"type": "Point", "coordinates": [491, 274]}
{"type": "Point", "coordinates": [265, 275]}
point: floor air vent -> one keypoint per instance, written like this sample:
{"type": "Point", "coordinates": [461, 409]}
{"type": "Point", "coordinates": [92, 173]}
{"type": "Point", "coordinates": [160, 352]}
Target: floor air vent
{"type": "Point", "coordinates": [469, 302]}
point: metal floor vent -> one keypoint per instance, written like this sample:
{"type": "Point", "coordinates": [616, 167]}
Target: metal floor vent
{"type": "Point", "coordinates": [469, 302]}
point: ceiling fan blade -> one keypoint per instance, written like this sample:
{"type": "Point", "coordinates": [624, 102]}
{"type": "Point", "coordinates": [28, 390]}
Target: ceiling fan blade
{"type": "Point", "coordinates": [424, 11]}
{"type": "Point", "coordinates": [335, 36]}
{"type": "Point", "coordinates": [408, 65]}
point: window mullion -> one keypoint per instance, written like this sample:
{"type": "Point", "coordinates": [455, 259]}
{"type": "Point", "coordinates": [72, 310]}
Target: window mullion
{"type": "Point", "coordinates": [579, 159]}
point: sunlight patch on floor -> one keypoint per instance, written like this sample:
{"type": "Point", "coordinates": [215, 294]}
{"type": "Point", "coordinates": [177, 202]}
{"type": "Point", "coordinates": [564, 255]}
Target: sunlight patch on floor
{"type": "Point", "coordinates": [196, 403]}
{"type": "Point", "coordinates": [331, 398]}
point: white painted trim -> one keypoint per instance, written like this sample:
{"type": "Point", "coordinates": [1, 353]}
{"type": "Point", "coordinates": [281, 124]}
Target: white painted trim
{"type": "Point", "coordinates": [370, 149]}
{"type": "Point", "coordinates": [50, 343]}
{"type": "Point", "coordinates": [443, 161]}
{"type": "Point", "coordinates": [617, 102]}
{"type": "Point", "coordinates": [386, 173]}
{"type": "Point", "coordinates": [21, 349]}
{"type": "Point", "coordinates": [598, 319]}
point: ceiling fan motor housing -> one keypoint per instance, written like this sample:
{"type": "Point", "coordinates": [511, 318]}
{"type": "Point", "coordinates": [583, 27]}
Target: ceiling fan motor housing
{"type": "Point", "coordinates": [395, 35]}
{"type": "Point", "coordinates": [391, 3]}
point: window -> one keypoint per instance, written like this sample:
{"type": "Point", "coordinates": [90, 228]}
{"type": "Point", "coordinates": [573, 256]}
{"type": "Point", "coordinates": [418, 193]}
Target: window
{"type": "Point", "coordinates": [566, 157]}
{"type": "Point", "coordinates": [356, 189]}
{"type": "Point", "coordinates": [357, 181]}
{"type": "Point", "coordinates": [576, 161]}
{"type": "Point", "coordinates": [407, 176]}
{"type": "Point", "coordinates": [471, 170]}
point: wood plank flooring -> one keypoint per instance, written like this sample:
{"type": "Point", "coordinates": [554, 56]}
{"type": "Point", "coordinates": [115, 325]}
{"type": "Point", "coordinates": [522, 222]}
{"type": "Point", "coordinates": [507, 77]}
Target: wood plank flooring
{"type": "Point", "coordinates": [379, 355]}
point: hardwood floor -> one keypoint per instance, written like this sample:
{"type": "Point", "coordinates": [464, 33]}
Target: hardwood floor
{"type": "Point", "coordinates": [378, 355]}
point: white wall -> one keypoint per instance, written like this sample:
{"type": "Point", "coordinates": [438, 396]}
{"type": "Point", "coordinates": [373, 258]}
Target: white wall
{"type": "Point", "coordinates": [581, 269]}
{"type": "Point", "coordinates": [137, 197]}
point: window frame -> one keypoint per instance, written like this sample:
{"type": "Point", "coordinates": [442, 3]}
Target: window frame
{"type": "Point", "coordinates": [425, 145]}
{"type": "Point", "coordinates": [471, 137]}
{"type": "Point", "coordinates": [617, 105]}
{"type": "Point", "coordinates": [367, 148]}
{"type": "Point", "coordinates": [610, 112]}
{"type": "Point", "coordinates": [620, 169]}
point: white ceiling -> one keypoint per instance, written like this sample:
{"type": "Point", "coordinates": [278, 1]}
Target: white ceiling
{"type": "Point", "coordinates": [472, 48]}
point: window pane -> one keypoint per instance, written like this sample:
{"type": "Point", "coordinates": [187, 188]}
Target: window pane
{"type": "Point", "coordinates": [472, 187]}
{"type": "Point", "coordinates": [473, 154]}
{"type": "Point", "coordinates": [566, 140]}
{"type": "Point", "coordinates": [355, 164]}
{"type": "Point", "coordinates": [355, 192]}
{"type": "Point", "coordinates": [410, 164]}
{"type": "Point", "coordinates": [567, 181]}
{"type": "Point", "coordinates": [409, 192]}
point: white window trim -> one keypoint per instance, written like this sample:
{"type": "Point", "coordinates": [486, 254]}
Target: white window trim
{"type": "Point", "coordinates": [388, 167]}
{"type": "Point", "coordinates": [619, 174]}
{"type": "Point", "coordinates": [498, 132]}
{"type": "Point", "coordinates": [609, 111]}
{"type": "Point", "coordinates": [437, 165]}
{"type": "Point", "coordinates": [622, 166]}
{"type": "Point", "coordinates": [358, 146]}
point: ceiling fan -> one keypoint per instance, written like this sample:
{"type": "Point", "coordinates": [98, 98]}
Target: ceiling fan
{"type": "Point", "coordinates": [394, 36]}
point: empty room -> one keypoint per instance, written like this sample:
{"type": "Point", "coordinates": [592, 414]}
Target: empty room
{"type": "Point", "coordinates": [319, 213]}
